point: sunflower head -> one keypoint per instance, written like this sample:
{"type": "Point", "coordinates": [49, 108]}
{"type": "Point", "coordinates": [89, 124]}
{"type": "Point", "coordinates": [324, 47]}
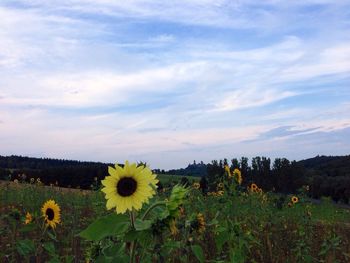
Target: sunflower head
{"type": "Point", "coordinates": [173, 228]}
{"type": "Point", "coordinates": [128, 187]}
{"type": "Point", "coordinates": [220, 186]}
{"type": "Point", "coordinates": [295, 199]}
{"type": "Point", "coordinates": [237, 175]}
{"type": "Point", "coordinates": [196, 185]}
{"type": "Point", "coordinates": [227, 170]}
{"type": "Point", "coordinates": [253, 187]}
{"type": "Point", "coordinates": [199, 223]}
{"type": "Point", "coordinates": [28, 219]}
{"type": "Point", "coordinates": [51, 213]}
{"type": "Point", "coordinates": [220, 193]}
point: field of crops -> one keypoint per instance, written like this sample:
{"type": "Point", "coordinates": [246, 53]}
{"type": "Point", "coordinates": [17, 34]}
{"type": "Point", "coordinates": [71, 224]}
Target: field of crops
{"type": "Point", "coordinates": [178, 224]}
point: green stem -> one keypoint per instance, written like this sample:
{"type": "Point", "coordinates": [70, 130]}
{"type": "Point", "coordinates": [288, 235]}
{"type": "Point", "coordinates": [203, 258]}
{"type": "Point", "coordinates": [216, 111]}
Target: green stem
{"type": "Point", "coordinates": [133, 243]}
{"type": "Point", "coordinates": [151, 208]}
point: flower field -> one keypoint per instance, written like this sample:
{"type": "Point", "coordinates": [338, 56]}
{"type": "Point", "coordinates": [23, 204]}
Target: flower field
{"type": "Point", "coordinates": [129, 220]}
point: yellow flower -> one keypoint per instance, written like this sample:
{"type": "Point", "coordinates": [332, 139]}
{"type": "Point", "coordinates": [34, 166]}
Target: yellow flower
{"type": "Point", "coordinates": [253, 187]}
{"type": "Point", "coordinates": [295, 199]}
{"type": "Point", "coordinates": [220, 186]}
{"type": "Point", "coordinates": [28, 219]}
{"type": "Point", "coordinates": [129, 187]}
{"type": "Point", "coordinates": [172, 226]}
{"type": "Point", "coordinates": [237, 175]}
{"type": "Point", "coordinates": [51, 213]}
{"type": "Point", "coordinates": [227, 170]}
{"type": "Point", "coordinates": [200, 224]}
{"type": "Point", "coordinates": [196, 185]}
{"type": "Point", "coordinates": [220, 193]}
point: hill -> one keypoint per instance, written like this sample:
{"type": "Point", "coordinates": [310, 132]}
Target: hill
{"type": "Point", "coordinates": [328, 165]}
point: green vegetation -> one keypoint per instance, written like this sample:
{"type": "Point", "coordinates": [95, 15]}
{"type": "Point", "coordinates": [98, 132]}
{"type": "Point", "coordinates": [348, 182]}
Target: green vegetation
{"type": "Point", "coordinates": [235, 225]}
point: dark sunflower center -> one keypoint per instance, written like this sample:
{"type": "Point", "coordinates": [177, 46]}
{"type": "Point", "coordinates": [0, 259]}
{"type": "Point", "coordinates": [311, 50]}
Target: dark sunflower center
{"type": "Point", "coordinates": [50, 214]}
{"type": "Point", "coordinates": [126, 186]}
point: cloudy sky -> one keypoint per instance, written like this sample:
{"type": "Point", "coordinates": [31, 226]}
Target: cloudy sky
{"type": "Point", "coordinates": [169, 82]}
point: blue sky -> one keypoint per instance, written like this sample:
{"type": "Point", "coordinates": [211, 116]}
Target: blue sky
{"type": "Point", "coordinates": [169, 82]}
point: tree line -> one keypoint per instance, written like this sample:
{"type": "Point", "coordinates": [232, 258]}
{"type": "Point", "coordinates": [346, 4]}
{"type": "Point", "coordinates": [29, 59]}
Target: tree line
{"type": "Point", "coordinates": [324, 175]}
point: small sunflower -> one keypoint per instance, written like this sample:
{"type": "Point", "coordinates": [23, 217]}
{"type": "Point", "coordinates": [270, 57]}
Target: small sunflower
{"type": "Point", "coordinates": [172, 226]}
{"type": "Point", "coordinates": [220, 193]}
{"type": "Point", "coordinates": [227, 170]}
{"type": "Point", "coordinates": [220, 186]}
{"type": "Point", "coordinates": [129, 187]}
{"type": "Point", "coordinates": [196, 185]}
{"type": "Point", "coordinates": [237, 175]}
{"type": "Point", "coordinates": [295, 199]}
{"type": "Point", "coordinates": [253, 187]}
{"type": "Point", "coordinates": [200, 223]}
{"type": "Point", "coordinates": [51, 213]}
{"type": "Point", "coordinates": [29, 218]}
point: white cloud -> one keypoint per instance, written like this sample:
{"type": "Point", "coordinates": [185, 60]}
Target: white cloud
{"type": "Point", "coordinates": [250, 97]}
{"type": "Point", "coordinates": [63, 68]}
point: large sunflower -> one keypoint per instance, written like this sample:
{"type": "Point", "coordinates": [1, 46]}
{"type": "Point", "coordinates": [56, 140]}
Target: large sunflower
{"type": "Point", "coordinates": [129, 187]}
{"type": "Point", "coordinates": [51, 213]}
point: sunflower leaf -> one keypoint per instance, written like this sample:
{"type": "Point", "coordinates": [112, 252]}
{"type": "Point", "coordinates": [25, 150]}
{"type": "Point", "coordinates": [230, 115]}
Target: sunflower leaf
{"type": "Point", "coordinates": [25, 247]}
{"type": "Point", "coordinates": [142, 224]}
{"type": "Point", "coordinates": [198, 252]}
{"type": "Point", "coordinates": [110, 225]}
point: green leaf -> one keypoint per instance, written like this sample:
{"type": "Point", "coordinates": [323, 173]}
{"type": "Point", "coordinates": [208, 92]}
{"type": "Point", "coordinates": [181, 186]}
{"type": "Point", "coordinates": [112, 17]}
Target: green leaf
{"type": "Point", "coordinates": [25, 247]}
{"type": "Point", "coordinates": [221, 239]}
{"type": "Point", "coordinates": [144, 237]}
{"type": "Point", "coordinates": [54, 260]}
{"type": "Point", "coordinates": [50, 248]}
{"type": "Point", "coordinates": [198, 252]}
{"type": "Point", "coordinates": [119, 259]}
{"type": "Point", "coordinates": [142, 224]}
{"type": "Point", "coordinates": [27, 228]}
{"type": "Point", "coordinates": [110, 225]}
{"type": "Point", "coordinates": [114, 249]}
{"type": "Point", "coordinates": [68, 259]}
{"type": "Point", "coordinates": [52, 235]}
{"type": "Point", "coordinates": [130, 236]}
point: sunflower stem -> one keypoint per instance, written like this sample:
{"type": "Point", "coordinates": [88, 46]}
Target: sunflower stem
{"type": "Point", "coordinates": [133, 243]}
{"type": "Point", "coordinates": [151, 208]}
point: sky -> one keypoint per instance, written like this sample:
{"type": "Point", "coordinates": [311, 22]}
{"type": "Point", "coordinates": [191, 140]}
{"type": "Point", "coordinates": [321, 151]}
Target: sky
{"type": "Point", "coordinates": [169, 82]}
